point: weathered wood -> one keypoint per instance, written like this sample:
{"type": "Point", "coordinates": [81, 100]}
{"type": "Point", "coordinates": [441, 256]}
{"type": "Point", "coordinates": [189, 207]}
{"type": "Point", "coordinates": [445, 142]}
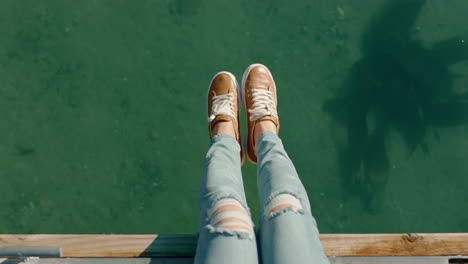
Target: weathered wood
{"type": "Point", "coordinates": [360, 245]}
{"type": "Point", "coordinates": [392, 260]}
{"type": "Point", "coordinates": [105, 261]}
{"type": "Point", "coordinates": [353, 245]}
{"type": "Point", "coordinates": [333, 260]}
{"type": "Point", "coordinates": [122, 246]}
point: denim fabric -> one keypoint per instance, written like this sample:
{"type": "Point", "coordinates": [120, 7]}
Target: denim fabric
{"type": "Point", "coordinates": [285, 237]}
{"type": "Point", "coordinates": [288, 236]}
{"type": "Point", "coordinates": [222, 178]}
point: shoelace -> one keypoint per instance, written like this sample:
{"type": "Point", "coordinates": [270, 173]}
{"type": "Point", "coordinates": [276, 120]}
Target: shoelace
{"type": "Point", "coordinates": [263, 104]}
{"type": "Point", "coordinates": [223, 105]}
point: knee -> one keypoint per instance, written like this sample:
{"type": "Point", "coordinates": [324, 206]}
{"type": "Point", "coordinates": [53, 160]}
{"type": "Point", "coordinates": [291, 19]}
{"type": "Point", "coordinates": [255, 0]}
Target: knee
{"type": "Point", "coordinates": [229, 216]}
{"type": "Point", "coordinates": [281, 203]}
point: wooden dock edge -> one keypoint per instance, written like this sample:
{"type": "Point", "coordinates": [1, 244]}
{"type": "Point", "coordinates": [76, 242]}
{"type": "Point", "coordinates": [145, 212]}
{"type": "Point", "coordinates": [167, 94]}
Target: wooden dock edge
{"type": "Point", "coordinates": [336, 245]}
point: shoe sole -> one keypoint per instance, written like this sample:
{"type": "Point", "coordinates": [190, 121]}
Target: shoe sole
{"type": "Point", "coordinates": [239, 103]}
{"type": "Point", "coordinates": [244, 79]}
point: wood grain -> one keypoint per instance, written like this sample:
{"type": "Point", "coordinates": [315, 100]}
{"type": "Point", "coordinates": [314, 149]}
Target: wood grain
{"type": "Point", "coordinates": [359, 245]}
{"type": "Point", "coordinates": [340, 245]}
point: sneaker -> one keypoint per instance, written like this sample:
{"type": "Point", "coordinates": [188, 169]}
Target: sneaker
{"type": "Point", "coordinates": [223, 103]}
{"type": "Point", "coordinates": [259, 96]}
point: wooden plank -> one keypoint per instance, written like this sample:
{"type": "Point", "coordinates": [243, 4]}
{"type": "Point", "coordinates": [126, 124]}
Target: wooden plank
{"type": "Point", "coordinates": [121, 246]}
{"type": "Point", "coordinates": [340, 245]}
{"type": "Point", "coordinates": [333, 260]}
{"type": "Point", "coordinates": [100, 261]}
{"type": "Point", "coordinates": [391, 260]}
{"type": "Point", "coordinates": [360, 245]}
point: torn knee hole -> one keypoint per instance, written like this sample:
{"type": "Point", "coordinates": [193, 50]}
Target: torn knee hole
{"type": "Point", "coordinates": [281, 202]}
{"type": "Point", "coordinates": [229, 215]}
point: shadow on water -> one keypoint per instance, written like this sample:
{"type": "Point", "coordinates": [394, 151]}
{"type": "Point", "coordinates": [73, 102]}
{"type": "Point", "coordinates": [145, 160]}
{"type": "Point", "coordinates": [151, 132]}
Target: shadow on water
{"type": "Point", "coordinates": [398, 85]}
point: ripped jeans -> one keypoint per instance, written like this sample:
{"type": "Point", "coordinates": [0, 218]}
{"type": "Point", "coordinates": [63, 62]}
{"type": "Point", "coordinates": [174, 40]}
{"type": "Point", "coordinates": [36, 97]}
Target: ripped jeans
{"type": "Point", "coordinates": [288, 232]}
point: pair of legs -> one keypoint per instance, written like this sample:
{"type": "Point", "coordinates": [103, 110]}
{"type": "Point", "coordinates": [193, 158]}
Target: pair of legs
{"type": "Point", "coordinates": [288, 232]}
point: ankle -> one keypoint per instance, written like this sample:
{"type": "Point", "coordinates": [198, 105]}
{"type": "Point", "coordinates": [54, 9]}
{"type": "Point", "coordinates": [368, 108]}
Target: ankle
{"type": "Point", "coordinates": [224, 127]}
{"type": "Point", "coordinates": [264, 126]}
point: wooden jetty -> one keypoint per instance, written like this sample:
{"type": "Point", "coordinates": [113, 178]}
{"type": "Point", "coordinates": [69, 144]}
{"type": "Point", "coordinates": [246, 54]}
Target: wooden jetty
{"type": "Point", "coordinates": [433, 248]}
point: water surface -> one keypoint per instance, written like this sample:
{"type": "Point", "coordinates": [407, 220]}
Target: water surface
{"type": "Point", "coordinates": [103, 110]}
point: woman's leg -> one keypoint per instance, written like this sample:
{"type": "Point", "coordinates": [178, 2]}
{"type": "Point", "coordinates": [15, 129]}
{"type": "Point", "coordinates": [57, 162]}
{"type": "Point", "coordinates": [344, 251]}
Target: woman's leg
{"type": "Point", "coordinates": [226, 232]}
{"type": "Point", "coordinates": [288, 231]}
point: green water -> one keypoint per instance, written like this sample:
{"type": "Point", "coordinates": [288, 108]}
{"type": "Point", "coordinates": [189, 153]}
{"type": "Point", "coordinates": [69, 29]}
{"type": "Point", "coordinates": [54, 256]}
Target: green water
{"type": "Point", "coordinates": [103, 124]}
